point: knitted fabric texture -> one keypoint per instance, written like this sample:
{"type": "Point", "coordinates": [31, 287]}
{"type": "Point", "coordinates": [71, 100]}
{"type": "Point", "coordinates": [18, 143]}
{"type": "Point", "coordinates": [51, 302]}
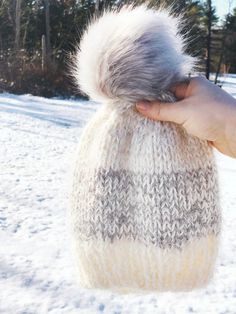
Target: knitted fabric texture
{"type": "Point", "coordinates": [144, 211]}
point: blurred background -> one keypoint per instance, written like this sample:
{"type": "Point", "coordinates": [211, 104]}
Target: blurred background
{"type": "Point", "coordinates": [38, 38]}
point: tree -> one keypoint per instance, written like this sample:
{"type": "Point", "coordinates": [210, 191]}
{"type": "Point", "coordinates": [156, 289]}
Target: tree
{"type": "Point", "coordinates": [225, 31]}
{"type": "Point", "coordinates": [47, 23]}
{"type": "Point", "coordinates": [17, 25]}
{"type": "Point", "coordinates": [208, 21]}
{"type": "Point", "coordinates": [209, 25]}
{"type": "Point", "coordinates": [97, 6]}
{"type": "Point", "coordinates": [230, 43]}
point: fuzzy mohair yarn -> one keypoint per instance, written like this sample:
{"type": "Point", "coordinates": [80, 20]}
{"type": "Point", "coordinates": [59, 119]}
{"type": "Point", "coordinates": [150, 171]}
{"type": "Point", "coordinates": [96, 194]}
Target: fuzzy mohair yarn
{"type": "Point", "coordinates": [145, 211]}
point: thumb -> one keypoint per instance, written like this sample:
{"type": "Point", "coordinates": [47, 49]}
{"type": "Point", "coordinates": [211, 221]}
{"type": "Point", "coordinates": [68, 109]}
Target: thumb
{"type": "Point", "coordinates": [155, 110]}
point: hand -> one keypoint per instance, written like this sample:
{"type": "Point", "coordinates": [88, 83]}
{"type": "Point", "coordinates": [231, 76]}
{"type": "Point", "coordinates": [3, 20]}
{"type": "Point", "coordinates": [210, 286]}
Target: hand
{"type": "Point", "coordinates": [203, 109]}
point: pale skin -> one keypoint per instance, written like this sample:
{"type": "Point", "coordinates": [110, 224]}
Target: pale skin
{"type": "Point", "coordinates": [203, 109]}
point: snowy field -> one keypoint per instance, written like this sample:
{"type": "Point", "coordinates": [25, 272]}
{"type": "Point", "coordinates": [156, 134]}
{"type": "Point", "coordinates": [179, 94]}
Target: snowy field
{"type": "Point", "coordinates": [37, 138]}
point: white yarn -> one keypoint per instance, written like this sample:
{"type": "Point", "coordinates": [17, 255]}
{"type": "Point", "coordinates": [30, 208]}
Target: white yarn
{"type": "Point", "coordinates": [145, 212]}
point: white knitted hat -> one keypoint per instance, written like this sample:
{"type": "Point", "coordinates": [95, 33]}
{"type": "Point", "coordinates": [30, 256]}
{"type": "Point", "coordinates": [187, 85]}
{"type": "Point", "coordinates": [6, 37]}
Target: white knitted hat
{"type": "Point", "coordinates": [145, 211]}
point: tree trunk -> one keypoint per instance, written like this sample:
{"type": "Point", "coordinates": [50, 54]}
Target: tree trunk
{"type": "Point", "coordinates": [47, 20]}
{"type": "Point", "coordinates": [97, 6]}
{"type": "Point", "coordinates": [1, 43]}
{"type": "Point", "coordinates": [44, 53]}
{"type": "Point", "coordinates": [222, 52]}
{"type": "Point", "coordinates": [25, 33]}
{"type": "Point", "coordinates": [209, 23]}
{"type": "Point", "coordinates": [225, 34]}
{"type": "Point", "coordinates": [17, 25]}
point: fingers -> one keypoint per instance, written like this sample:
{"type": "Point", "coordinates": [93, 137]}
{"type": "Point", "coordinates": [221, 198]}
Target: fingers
{"type": "Point", "coordinates": [189, 87]}
{"type": "Point", "coordinates": [173, 112]}
{"type": "Point", "coordinates": [180, 90]}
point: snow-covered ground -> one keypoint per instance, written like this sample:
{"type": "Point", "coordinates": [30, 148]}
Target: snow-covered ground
{"type": "Point", "coordinates": [37, 138]}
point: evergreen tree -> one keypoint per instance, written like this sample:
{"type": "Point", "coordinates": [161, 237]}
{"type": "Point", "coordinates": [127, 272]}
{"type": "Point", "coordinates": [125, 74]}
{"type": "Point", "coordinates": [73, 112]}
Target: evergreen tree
{"type": "Point", "coordinates": [230, 43]}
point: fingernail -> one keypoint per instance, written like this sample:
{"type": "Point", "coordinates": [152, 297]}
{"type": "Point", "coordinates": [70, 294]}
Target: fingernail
{"type": "Point", "coordinates": [143, 105]}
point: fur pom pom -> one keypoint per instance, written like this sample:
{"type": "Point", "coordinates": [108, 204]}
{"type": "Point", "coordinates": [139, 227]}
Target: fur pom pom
{"type": "Point", "coordinates": [131, 54]}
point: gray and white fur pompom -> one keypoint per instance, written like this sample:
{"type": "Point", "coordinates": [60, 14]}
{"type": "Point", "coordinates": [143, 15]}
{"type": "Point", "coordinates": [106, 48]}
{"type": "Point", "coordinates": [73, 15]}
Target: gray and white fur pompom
{"type": "Point", "coordinates": [131, 54]}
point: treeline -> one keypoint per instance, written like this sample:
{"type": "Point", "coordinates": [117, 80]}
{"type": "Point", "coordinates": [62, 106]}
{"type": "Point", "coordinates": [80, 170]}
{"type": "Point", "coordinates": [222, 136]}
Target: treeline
{"type": "Point", "coordinates": [38, 38]}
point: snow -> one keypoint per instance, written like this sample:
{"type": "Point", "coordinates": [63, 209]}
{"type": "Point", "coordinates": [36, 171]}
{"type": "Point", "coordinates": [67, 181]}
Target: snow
{"type": "Point", "coordinates": [37, 138]}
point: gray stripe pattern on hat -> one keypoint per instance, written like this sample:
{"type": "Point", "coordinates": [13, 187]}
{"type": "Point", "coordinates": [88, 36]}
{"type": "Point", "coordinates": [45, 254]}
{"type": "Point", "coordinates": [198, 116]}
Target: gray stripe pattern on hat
{"type": "Point", "coordinates": [166, 210]}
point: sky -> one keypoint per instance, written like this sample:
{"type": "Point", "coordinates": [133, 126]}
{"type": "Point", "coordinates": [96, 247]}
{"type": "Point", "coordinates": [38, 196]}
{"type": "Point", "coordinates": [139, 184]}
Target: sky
{"type": "Point", "coordinates": [222, 6]}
